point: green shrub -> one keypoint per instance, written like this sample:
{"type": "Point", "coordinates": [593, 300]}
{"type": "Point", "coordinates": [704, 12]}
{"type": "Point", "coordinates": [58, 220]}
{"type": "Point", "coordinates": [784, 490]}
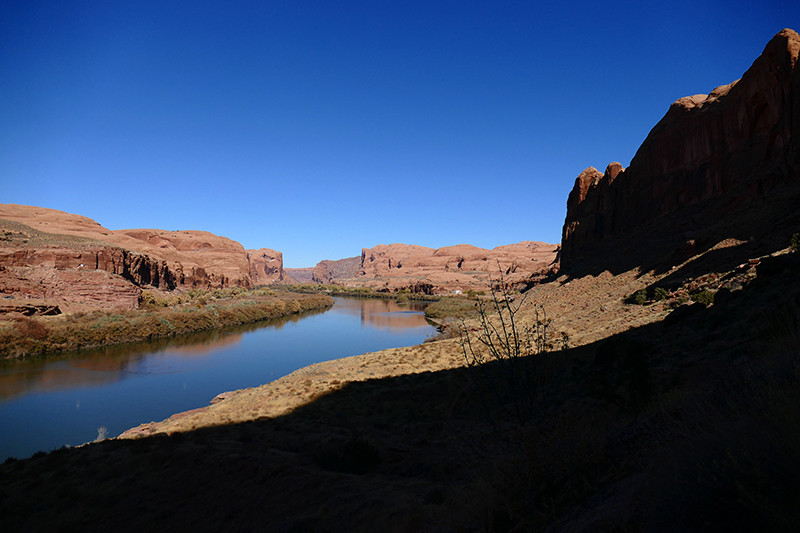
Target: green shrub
{"type": "Point", "coordinates": [640, 298]}
{"type": "Point", "coordinates": [705, 297]}
{"type": "Point", "coordinates": [660, 294]}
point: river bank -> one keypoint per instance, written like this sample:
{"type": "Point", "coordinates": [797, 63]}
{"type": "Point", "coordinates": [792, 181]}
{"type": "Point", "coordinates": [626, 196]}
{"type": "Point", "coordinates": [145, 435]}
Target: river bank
{"type": "Point", "coordinates": [25, 336]}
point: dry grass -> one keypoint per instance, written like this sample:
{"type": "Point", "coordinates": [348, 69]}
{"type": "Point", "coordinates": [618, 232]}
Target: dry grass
{"type": "Point", "coordinates": [28, 336]}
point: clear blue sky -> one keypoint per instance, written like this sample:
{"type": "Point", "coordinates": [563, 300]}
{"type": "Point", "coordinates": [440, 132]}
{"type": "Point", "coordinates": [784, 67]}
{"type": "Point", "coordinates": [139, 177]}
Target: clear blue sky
{"type": "Point", "coordinates": [318, 128]}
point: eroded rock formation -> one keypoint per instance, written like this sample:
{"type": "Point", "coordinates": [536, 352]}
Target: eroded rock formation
{"type": "Point", "coordinates": [46, 253]}
{"type": "Point", "coordinates": [198, 258]}
{"type": "Point", "coordinates": [709, 156]}
{"type": "Point", "coordinates": [462, 267]}
{"type": "Point", "coordinates": [266, 266]}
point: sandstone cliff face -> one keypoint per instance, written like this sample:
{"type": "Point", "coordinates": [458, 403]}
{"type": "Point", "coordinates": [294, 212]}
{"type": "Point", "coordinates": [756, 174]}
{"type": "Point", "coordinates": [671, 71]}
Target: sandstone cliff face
{"type": "Point", "coordinates": [713, 152]}
{"type": "Point", "coordinates": [185, 259]}
{"type": "Point", "coordinates": [199, 259]}
{"type": "Point", "coordinates": [461, 267]}
{"type": "Point", "coordinates": [327, 272]}
{"type": "Point", "coordinates": [136, 268]}
{"type": "Point", "coordinates": [266, 266]}
{"type": "Point", "coordinates": [45, 253]}
{"type": "Point", "coordinates": [93, 288]}
{"type": "Point", "coordinates": [74, 270]}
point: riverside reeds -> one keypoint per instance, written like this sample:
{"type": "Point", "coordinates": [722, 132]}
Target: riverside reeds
{"type": "Point", "coordinates": [24, 336]}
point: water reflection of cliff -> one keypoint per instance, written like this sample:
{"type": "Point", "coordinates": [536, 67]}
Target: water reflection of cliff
{"type": "Point", "coordinates": [385, 314]}
{"type": "Point", "coordinates": [110, 364]}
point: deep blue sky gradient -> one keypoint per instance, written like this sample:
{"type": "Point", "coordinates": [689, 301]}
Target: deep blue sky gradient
{"type": "Point", "coordinates": [318, 128]}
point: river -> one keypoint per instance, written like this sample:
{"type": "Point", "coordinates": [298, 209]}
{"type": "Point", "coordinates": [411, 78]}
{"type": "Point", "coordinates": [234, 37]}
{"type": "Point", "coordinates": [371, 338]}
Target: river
{"type": "Point", "coordinates": [70, 399]}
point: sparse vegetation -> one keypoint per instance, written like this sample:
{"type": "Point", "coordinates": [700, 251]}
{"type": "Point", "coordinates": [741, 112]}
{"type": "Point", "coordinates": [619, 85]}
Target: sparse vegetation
{"type": "Point", "coordinates": [496, 348]}
{"type": "Point", "coordinates": [453, 307]}
{"type": "Point", "coordinates": [640, 298]}
{"type": "Point", "coordinates": [660, 294]}
{"type": "Point", "coordinates": [158, 317]}
{"type": "Point", "coordinates": [704, 297]}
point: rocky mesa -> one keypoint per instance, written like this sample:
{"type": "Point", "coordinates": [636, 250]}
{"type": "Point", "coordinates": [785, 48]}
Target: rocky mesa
{"type": "Point", "coordinates": [50, 254]}
{"type": "Point", "coordinates": [712, 158]}
{"type": "Point", "coordinates": [463, 267]}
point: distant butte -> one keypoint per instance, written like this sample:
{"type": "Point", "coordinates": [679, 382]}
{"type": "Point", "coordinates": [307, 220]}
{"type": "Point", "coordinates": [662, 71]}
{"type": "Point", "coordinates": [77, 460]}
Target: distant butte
{"type": "Point", "coordinates": [463, 267]}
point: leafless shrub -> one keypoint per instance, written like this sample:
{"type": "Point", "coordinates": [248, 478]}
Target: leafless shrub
{"type": "Point", "coordinates": [499, 349]}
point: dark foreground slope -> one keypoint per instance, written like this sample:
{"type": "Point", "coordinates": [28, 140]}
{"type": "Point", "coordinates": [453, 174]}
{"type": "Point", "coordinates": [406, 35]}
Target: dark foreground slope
{"type": "Point", "coordinates": [692, 422]}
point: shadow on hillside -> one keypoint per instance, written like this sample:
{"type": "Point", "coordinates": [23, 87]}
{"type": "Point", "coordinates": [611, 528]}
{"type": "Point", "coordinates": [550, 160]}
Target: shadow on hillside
{"type": "Point", "coordinates": [419, 452]}
{"type": "Point", "coordinates": [762, 226]}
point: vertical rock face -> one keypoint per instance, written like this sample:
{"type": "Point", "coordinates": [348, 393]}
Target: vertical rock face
{"type": "Point", "coordinates": [46, 253]}
{"type": "Point", "coordinates": [266, 266]}
{"type": "Point", "coordinates": [199, 259]}
{"type": "Point", "coordinates": [721, 150]}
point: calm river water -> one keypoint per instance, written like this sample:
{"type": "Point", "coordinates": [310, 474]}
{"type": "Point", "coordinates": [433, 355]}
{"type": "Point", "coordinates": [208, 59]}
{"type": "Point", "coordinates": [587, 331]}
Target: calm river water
{"type": "Point", "coordinates": [65, 400]}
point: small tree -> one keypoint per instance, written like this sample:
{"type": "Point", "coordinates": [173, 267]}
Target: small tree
{"type": "Point", "coordinates": [660, 293]}
{"type": "Point", "coordinates": [640, 298]}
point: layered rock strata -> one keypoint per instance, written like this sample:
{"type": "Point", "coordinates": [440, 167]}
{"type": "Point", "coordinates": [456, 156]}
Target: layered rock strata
{"type": "Point", "coordinates": [296, 276]}
{"type": "Point", "coordinates": [45, 253]}
{"type": "Point", "coordinates": [710, 156]}
{"type": "Point", "coordinates": [462, 267]}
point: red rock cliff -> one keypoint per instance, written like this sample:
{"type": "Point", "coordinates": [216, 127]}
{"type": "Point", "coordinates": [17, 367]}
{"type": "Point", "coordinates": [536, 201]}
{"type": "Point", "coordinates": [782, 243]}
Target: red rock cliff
{"type": "Point", "coordinates": [461, 267]}
{"type": "Point", "coordinates": [719, 151]}
{"type": "Point", "coordinates": [46, 253]}
{"type": "Point", "coordinates": [164, 259]}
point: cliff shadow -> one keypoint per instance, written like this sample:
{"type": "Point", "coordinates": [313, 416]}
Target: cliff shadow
{"type": "Point", "coordinates": [698, 239]}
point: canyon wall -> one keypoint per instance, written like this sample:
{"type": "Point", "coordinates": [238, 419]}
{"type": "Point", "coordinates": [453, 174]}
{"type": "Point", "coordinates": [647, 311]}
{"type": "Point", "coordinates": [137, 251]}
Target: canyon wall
{"type": "Point", "coordinates": [46, 253]}
{"type": "Point", "coordinates": [462, 267]}
{"type": "Point", "coordinates": [298, 276]}
{"type": "Point", "coordinates": [710, 156]}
